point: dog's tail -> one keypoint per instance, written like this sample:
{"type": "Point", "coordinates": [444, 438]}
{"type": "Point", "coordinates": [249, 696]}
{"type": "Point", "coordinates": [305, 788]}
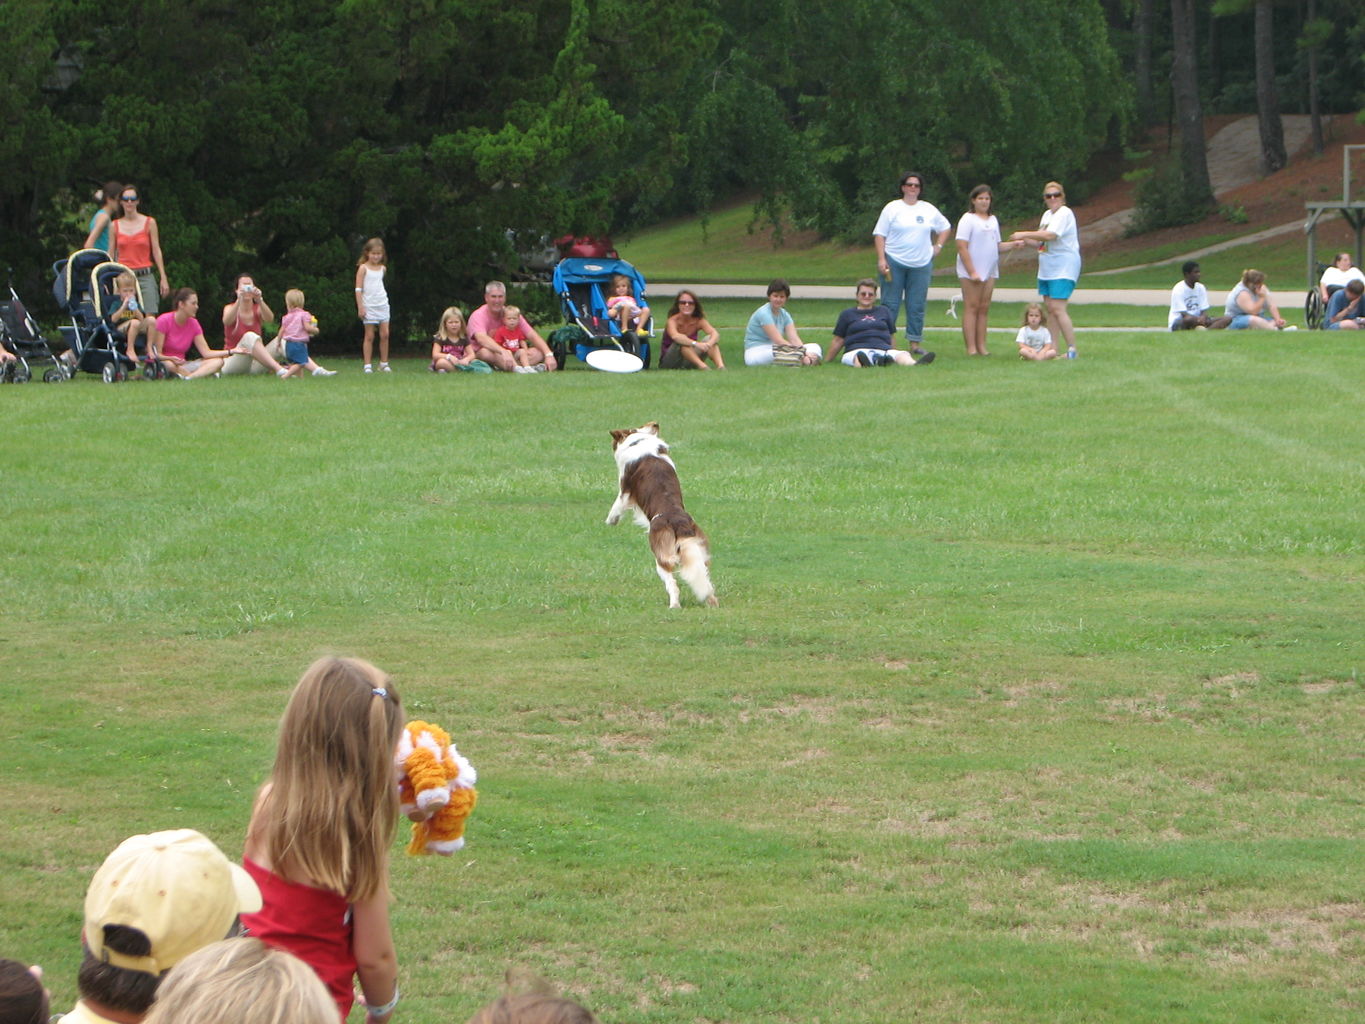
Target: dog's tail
{"type": "Point", "coordinates": [680, 546]}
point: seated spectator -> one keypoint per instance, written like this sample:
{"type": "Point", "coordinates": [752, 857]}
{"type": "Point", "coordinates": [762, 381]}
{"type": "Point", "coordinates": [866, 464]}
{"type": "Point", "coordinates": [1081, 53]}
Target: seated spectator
{"type": "Point", "coordinates": [178, 331]}
{"type": "Point", "coordinates": [1034, 339]}
{"type": "Point", "coordinates": [683, 344]}
{"type": "Point", "coordinates": [488, 318]}
{"type": "Point", "coordinates": [1190, 303]}
{"type": "Point", "coordinates": [451, 347]}
{"type": "Point", "coordinates": [242, 981]}
{"type": "Point", "coordinates": [1335, 276]}
{"type": "Point", "coordinates": [1250, 305]}
{"type": "Point", "coordinates": [127, 315]}
{"type": "Point", "coordinates": [155, 900]}
{"type": "Point", "coordinates": [23, 1000]}
{"type": "Point", "coordinates": [864, 333]}
{"type": "Point", "coordinates": [1346, 308]}
{"type": "Point", "coordinates": [771, 334]}
{"type": "Point", "coordinates": [622, 307]}
{"type": "Point", "coordinates": [514, 337]}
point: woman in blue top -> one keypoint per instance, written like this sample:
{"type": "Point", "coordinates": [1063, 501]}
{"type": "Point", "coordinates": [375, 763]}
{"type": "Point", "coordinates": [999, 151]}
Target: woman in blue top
{"type": "Point", "coordinates": [102, 234]}
{"type": "Point", "coordinates": [772, 325]}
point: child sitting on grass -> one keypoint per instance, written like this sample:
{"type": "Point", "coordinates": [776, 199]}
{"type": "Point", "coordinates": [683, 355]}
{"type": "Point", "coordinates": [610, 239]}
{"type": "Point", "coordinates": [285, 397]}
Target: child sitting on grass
{"type": "Point", "coordinates": [1034, 339]}
{"type": "Point", "coordinates": [452, 348]}
{"type": "Point", "coordinates": [512, 336]}
{"type": "Point", "coordinates": [127, 316]}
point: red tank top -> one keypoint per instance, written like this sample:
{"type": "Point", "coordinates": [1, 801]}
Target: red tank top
{"type": "Point", "coordinates": [313, 924]}
{"type": "Point", "coordinates": [232, 336]}
{"type": "Point", "coordinates": [135, 251]}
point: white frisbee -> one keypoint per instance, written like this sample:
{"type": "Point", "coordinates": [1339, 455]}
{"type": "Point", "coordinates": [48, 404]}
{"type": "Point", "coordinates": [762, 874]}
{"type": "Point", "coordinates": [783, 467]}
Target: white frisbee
{"type": "Point", "coordinates": [613, 360]}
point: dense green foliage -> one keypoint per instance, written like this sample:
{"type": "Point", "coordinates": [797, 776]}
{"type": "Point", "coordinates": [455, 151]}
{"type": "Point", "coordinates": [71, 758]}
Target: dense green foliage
{"type": "Point", "coordinates": [278, 137]}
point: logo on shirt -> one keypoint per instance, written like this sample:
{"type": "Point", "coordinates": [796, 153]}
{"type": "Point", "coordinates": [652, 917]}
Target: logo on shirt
{"type": "Point", "coordinates": [919, 220]}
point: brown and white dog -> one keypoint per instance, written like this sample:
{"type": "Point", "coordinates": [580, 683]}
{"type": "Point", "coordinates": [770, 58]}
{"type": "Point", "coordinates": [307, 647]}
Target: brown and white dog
{"type": "Point", "coordinates": [649, 485]}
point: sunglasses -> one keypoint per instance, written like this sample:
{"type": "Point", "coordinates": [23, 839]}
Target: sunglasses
{"type": "Point", "coordinates": [1052, 195]}
{"type": "Point", "coordinates": [686, 302]}
{"type": "Point", "coordinates": [129, 199]}
{"type": "Point", "coordinates": [866, 295]}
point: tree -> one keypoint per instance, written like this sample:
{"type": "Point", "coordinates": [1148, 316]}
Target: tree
{"type": "Point", "coordinates": [1189, 108]}
{"type": "Point", "coordinates": [1273, 156]}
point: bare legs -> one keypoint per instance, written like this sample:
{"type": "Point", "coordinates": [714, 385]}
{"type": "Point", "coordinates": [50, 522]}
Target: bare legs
{"type": "Point", "coordinates": [1059, 317]}
{"type": "Point", "coordinates": [976, 305]}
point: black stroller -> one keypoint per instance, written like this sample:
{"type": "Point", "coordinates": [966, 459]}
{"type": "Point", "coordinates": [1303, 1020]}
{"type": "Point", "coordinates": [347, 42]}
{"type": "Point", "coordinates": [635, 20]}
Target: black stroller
{"type": "Point", "coordinates": [20, 334]}
{"type": "Point", "coordinates": [83, 285]}
{"type": "Point", "coordinates": [583, 286]}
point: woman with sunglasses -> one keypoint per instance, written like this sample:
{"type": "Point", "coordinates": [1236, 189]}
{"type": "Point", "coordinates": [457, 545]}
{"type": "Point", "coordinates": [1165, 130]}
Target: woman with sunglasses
{"type": "Point", "coordinates": [139, 247]}
{"type": "Point", "coordinates": [909, 234]}
{"type": "Point", "coordinates": [689, 339]}
{"type": "Point", "coordinates": [1059, 259]}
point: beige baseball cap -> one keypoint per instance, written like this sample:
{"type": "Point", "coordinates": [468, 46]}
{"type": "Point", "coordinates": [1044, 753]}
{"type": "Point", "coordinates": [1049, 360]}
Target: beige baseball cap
{"type": "Point", "coordinates": [176, 888]}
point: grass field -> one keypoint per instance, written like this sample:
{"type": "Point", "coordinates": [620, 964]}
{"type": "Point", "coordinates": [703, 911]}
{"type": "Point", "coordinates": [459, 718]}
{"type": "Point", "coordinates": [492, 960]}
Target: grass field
{"type": "Point", "coordinates": [1034, 694]}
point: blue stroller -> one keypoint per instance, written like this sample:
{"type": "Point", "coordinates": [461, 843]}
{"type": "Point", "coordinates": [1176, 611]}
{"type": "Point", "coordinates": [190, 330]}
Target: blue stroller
{"type": "Point", "coordinates": [83, 285]}
{"type": "Point", "coordinates": [583, 286]}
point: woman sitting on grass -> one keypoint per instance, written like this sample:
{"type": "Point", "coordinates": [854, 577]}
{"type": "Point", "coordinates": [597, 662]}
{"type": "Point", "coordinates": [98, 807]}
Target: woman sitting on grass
{"type": "Point", "coordinates": [683, 344]}
{"type": "Point", "coordinates": [1251, 306]}
{"type": "Point", "coordinates": [178, 331]}
{"type": "Point", "coordinates": [771, 334]}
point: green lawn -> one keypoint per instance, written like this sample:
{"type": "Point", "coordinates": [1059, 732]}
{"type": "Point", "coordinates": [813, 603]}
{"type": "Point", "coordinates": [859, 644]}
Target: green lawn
{"type": "Point", "coordinates": [1034, 694]}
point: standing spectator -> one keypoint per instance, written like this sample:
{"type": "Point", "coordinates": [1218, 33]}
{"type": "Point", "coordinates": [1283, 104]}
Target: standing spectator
{"type": "Point", "coordinates": [101, 234]}
{"type": "Point", "coordinates": [323, 865]}
{"type": "Point", "coordinates": [372, 302]}
{"type": "Point", "coordinates": [771, 337]}
{"type": "Point", "coordinates": [683, 344]}
{"type": "Point", "coordinates": [154, 901]}
{"type": "Point", "coordinates": [910, 232]}
{"type": "Point", "coordinates": [488, 318]}
{"type": "Point", "coordinates": [1058, 242]}
{"type": "Point", "coordinates": [978, 266]}
{"type": "Point", "coordinates": [1251, 306]}
{"type": "Point", "coordinates": [138, 244]}
{"type": "Point", "coordinates": [864, 333]}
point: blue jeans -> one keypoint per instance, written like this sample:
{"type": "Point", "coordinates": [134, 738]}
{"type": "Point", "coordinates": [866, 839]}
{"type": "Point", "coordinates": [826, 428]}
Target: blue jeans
{"type": "Point", "coordinates": [913, 284]}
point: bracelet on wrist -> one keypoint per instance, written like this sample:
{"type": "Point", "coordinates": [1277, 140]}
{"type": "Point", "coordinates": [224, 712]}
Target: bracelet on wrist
{"type": "Point", "coordinates": [387, 1008]}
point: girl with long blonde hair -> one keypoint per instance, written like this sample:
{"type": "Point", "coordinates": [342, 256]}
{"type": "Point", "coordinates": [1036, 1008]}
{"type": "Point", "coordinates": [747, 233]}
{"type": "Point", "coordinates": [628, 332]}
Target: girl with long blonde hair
{"type": "Point", "coordinates": [321, 830]}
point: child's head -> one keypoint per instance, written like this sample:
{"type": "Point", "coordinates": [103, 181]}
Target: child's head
{"type": "Point", "coordinates": [977, 193]}
{"type": "Point", "coordinates": [1190, 271]}
{"type": "Point", "coordinates": [332, 807]}
{"type": "Point", "coordinates": [243, 981]}
{"type": "Point", "coordinates": [372, 248]}
{"type": "Point", "coordinates": [511, 316]}
{"type": "Point", "coordinates": [1034, 315]}
{"type": "Point", "coordinates": [620, 284]}
{"type": "Point", "coordinates": [452, 324]}
{"type": "Point", "coordinates": [293, 298]}
{"type": "Point", "coordinates": [23, 1000]}
{"type": "Point", "coordinates": [126, 284]}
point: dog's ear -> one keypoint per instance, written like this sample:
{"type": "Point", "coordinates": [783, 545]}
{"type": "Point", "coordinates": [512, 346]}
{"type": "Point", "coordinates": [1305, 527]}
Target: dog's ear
{"type": "Point", "coordinates": [617, 436]}
{"type": "Point", "coordinates": [651, 428]}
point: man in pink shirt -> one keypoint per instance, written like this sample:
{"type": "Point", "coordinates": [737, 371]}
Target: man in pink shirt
{"type": "Point", "coordinates": [488, 318]}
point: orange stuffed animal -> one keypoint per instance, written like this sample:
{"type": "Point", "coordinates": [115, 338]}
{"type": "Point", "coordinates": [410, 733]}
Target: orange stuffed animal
{"type": "Point", "coordinates": [435, 788]}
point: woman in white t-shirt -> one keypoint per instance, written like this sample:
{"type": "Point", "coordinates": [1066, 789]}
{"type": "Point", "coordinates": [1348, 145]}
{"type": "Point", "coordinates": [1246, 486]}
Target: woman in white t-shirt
{"type": "Point", "coordinates": [1059, 259]}
{"type": "Point", "coordinates": [978, 266]}
{"type": "Point", "coordinates": [910, 232]}
{"type": "Point", "coordinates": [1338, 274]}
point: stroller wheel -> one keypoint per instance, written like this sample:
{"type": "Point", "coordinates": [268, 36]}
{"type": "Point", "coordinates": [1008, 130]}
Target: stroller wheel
{"type": "Point", "coordinates": [110, 372]}
{"type": "Point", "coordinates": [21, 374]}
{"type": "Point", "coordinates": [53, 376]}
{"type": "Point", "coordinates": [151, 371]}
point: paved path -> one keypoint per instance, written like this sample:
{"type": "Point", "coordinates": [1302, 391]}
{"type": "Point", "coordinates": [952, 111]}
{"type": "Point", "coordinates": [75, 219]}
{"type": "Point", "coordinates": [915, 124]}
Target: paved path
{"type": "Point", "coordinates": [755, 291]}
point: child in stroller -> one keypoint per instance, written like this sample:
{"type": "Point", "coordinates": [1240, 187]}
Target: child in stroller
{"type": "Point", "coordinates": [127, 316]}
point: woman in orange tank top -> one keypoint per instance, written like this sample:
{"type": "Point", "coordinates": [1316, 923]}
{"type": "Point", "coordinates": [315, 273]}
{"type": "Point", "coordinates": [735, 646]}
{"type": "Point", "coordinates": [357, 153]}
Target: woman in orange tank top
{"type": "Point", "coordinates": [139, 248]}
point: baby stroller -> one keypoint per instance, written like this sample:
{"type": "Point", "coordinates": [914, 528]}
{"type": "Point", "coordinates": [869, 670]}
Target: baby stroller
{"type": "Point", "coordinates": [83, 285]}
{"type": "Point", "coordinates": [19, 333]}
{"type": "Point", "coordinates": [583, 286]}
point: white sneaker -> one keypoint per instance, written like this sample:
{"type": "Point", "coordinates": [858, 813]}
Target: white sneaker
{"type": "Point", "coordinates": [385, 368]}
{"type": "Point", "coordinates": [369, 368]}
{"type": "Point", "coordinates": [1291, 327]}
{"type": "Point", "coordinates": [281, 374]}
{"type": "Point", "coordinates": [320, 372]}
{"type": "Point", "coordinates": [539, 368]}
